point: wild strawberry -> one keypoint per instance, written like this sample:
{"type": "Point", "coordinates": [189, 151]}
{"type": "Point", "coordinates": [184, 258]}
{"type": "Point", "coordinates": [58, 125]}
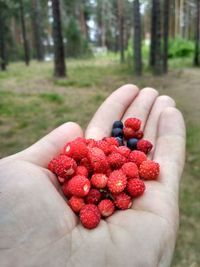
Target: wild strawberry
{"type": "Point", "coordinates": [76, 150]}
{"type": "Point", "coordinates": [123, 150]}
{"type": "Point", "coordinates": [111, 141]}
{"type": "Point", "coordinates": [76, 203]}
{"type": "Point", "coordinates": [123, 201]}
{"type": "Point", "coordinates": [90, 143]}
{"type": "Point", "coordinates": [130, 169]}
{"type": "Point", "coordinates": [135, 187]}
{"type": "Point", "coordinates": [99, 180]}
{"type": "Point", "coordinates": [137, 157]}
{"type": "Point", "coordinates": [139, 134]}
{"type": "Point", "coordinates": [149, 170]}
{"type": "Point", "coordinates": [79, 186]}
{"type": "Point", "coordinates": [144, 146]}
{"type": "Point", "coordinates": [90, 216]}
{"type": "Point", "coordinates": [63, 166]}
{"type": "Point", "coordinates": [93, 197]}
{"type": "Point", "coordinates": [116, 181]}
{"type": "Point", "coordinates": [97, 160]}
{"type": "Point", "coordinates": [82, 170]}
{"type": "Point", "coordinates": [106, 207]}
{"type": "Point", "coordinates": [133, 123]}
{"type": "Point", "coordinates": [128, 132]}
{"type": "Point", "coordinates": [85, 162]}
{"type": "Point", "coordinates": [104, 146]}
{"type": "Point", "coordinates": [65, 189]}
{"type": "Point", "coordinates": [116, 160]}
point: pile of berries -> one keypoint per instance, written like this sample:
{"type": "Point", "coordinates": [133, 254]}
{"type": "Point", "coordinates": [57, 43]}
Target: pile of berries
{"type": "Point", "coordinates": [99, 177]}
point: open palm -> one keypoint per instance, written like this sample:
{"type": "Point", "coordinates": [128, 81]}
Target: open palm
{"type": "Point", "coordinates": [37, 228]}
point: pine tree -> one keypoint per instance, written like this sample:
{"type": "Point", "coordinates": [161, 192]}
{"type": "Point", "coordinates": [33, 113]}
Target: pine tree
{"type": "Point", "coordinates": [165, 34]}
{"type": "Point", "coordinates": [121, 28]}
{"type": "Point", "coordinates": [2, 37]}
{"type": "Point", "coordinates": [37, 30]}
{"type": "Point", "coordinates": [59, 54]}
{"type": "Point", "coordinates": [137, 38]}
{"type": "Point", "coordinates": [196, 52]}
{"type": "Point", "coordinates": [24, 34]}
{"type": "Point", "coordinates": [155, 52]}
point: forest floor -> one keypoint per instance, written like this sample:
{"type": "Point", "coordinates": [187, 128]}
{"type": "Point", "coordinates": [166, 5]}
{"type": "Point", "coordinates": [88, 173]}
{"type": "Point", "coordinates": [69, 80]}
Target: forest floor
{"type": "Point", "coordinates": [32, 103]}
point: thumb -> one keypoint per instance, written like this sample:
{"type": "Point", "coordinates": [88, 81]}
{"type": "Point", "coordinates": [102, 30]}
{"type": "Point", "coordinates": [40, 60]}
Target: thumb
{"type": "Point", "coordinates": [49, 146]}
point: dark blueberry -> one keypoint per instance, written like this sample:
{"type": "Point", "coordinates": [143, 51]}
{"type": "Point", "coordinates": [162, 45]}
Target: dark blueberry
{"type": "Point", "coordinates": [118, 124]}
{"type": "Point", "coordinates": [117, 132]}
{"type": "Point", "coordinates": [132, 143]}
{"type": "Point", "coordinates": [120, 141]}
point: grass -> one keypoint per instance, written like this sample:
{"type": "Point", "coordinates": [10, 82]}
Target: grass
{"type": "Point", "coordinates": [32, 103]}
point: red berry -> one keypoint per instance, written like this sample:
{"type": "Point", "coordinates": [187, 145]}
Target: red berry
{"type": "Point", "coordinates": [139, 134]}
{"type": "Point", "coordinates": [104, 146]}
{"type": "Point", "coordinates": [116, 160]}
{"type": "Point", "coordinates": [108, 172]}
{"type": "Point", "coordinates": [76, 203]}
{"type": "Point", "coordinates": [137, 157]}
{"type": "Point", "coordinates": [82, 170]}
{"type": "Point", "coordinates": [79, 186]}
{"type": "Point", "coordinates": [116, 181]}
{"type": "Point", "coordinates": [123, 201]}
{"type": "Point", "coordinates": [144, 146]}
{"type": "Point", "coordinates": [99, 180]}
{"type": "Point", "coordinates": [106, 207]}
{"type": "Point", "coordinates": [85, 162]}
{"type": "Point", "coordinates": [93, 197]}
{"type": "Point", "coordinates": [133, 123]}
{"type": "Point", "coordinates": [65, 189]}
{"type": "Point", "coordinates": [51, 165]}
{"type": "Point", "coordinates": [111, 141]}
{"type": "Point", "coordinates": [149, 170]}
{"type": "Point", "coordinates": [76, 149]}
{"type": "Point", "coordinates": [90, 216]}
{"type": "Point", "coordinates": [128, 132]}
{"type": "Point", "coordinates": [97, 160]}
{"type": "Point", "coordinates": [90, 143]}
{"type": "Point", "coordinates": [63, 166]}
{"type": "Point", "coordinates": [130, 169]}
{"type": "Point", "coordinates": [123, 150]}
{"type": "Point", "coordinates": [135, 187]}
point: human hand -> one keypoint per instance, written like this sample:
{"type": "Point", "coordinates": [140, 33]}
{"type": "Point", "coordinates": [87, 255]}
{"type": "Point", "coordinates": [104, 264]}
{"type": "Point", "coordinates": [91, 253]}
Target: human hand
{"type": "Point", "coordinates": [37, 228]}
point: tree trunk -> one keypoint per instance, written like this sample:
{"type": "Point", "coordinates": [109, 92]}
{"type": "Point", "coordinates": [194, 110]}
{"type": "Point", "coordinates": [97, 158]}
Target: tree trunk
{"type": "Point", "coordinates": [196, 52]}
{"type": "Point", "coordinates": [137, 38]}
{"type": "Point", "coordinates": [2, 43]}
{"type": "Point", "coordinates": [153, 34]}
{"type": "Point", "coordinates": [59, 54]}
{"type": "Point", "coordinates": [177, 18]}
{"type": "Point", "coordinates": [157, 67]}
{"type": "Point", "coordinates": [25, 41]}
{"type": "Point", "coordinates": [37, 30]}
{"type": "Point", "coordinates": [165, 34]}
{"type": "Point", "coordinates": [121, 29]}
{"type": "Point", "coordinates": [82, 21]}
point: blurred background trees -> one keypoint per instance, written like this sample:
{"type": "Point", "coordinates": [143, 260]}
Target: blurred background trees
{"type": "Point", "coordinates": [141, 31]}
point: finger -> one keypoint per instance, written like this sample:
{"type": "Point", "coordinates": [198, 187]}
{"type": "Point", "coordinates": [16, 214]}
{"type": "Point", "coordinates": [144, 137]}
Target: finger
{"type": "Point", "coordinates": [170, 147]}
{"type": "Point", "coordinates": [150, 130]}
{"type": "Point", "coordinates": [49, 146]}
{"type": "Point", "coordinates": [141, 106]}
{"type": "Point", "coordinates": [112, 109]}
